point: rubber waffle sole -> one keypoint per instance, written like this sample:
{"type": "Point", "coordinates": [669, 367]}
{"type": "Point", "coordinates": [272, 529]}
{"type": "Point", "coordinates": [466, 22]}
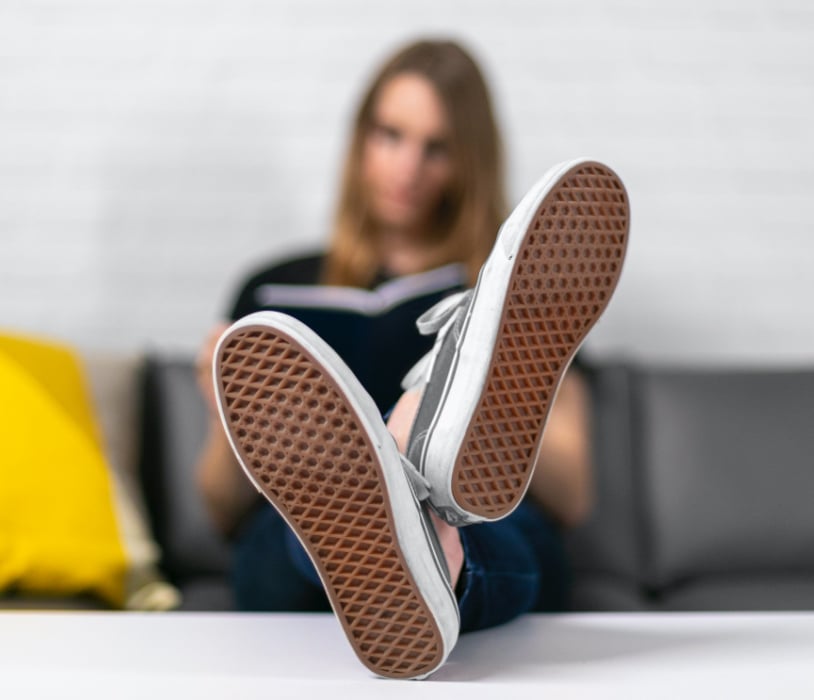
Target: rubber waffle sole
{"type": "Point", "coordinates": [308, 453]}
{"type": "Point", "coordinates": [565, 273]}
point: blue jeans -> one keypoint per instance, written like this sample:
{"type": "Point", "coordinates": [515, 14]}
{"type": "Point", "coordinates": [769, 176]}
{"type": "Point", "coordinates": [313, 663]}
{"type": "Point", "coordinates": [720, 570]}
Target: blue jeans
{"type": "Point", "coordinates": [513, 566]}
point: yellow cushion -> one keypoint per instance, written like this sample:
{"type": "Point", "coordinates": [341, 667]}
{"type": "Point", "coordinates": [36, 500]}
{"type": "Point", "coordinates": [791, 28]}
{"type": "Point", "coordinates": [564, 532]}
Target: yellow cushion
{"type": "Point", "coordinates": [66, 520]}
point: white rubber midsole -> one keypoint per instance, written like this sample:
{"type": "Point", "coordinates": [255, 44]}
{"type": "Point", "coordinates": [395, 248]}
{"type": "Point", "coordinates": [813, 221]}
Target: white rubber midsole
{"type": "Point", "coordinates": [467, 375]}
{"type": "Point", "coordinates": [409, 526]}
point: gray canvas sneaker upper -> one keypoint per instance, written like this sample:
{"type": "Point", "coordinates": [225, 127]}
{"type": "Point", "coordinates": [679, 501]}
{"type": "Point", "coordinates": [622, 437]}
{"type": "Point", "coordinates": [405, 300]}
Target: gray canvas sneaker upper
{"type": "Point", "coordinates": [446, 319]}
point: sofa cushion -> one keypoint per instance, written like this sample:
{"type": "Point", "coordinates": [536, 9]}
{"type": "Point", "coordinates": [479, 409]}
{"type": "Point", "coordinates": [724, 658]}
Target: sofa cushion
{"type": "Point", "coordinates": [605, 592]}
{"type": "Point", "coordinates": [609, 543]}
{"type": "Point", "coordinates": [777, 591]}
{"type": "Point", "coordinates": [208, 593]}
{"type": "Point", "coordinates": [71, 521]}
{"type": "Point", "coordinates": [174, 424]}
{"type": "Point", "coordinates": [726, 463]}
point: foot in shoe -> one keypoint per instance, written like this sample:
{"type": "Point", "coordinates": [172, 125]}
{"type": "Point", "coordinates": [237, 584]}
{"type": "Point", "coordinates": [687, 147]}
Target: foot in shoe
{"type": "Point", "coordinates": [313, 443]}
{"type": "Point", "coordinates": [503, 348]}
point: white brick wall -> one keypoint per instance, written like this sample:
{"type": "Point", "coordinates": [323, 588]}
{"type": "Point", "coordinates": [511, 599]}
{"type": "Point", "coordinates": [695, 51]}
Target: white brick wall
{"type": "Point", "coordinates": [152, 151]}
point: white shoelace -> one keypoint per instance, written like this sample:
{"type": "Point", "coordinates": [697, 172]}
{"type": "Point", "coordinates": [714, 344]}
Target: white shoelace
{"type": "Point", "coordinates": [438, 319]}
{"type": "Point", "coordinates": [420, 485]}
{"type": "Point", "coordinates": [440, 314]}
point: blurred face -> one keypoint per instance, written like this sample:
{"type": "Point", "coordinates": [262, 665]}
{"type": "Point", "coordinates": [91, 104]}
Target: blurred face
{"type": "Point", "coordinates": [406, 163]}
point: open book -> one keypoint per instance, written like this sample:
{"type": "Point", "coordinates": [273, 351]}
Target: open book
{"type": "Point", "coordinates": [372, 330]}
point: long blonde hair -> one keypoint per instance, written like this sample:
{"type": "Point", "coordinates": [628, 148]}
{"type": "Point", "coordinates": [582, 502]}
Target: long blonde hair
{"type": "Point", "coordinates": [471, 211]}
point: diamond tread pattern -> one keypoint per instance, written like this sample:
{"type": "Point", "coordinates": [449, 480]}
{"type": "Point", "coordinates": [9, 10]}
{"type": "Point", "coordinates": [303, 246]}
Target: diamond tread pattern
{"type": "Point", "coordinates": [564, 276]}
{"type": "Point", "coordinates": [300, 438]}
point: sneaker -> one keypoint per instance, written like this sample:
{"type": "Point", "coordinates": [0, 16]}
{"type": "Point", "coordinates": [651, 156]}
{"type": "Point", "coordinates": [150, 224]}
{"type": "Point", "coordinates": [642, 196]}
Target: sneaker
{"type": "Point", "coordinates": [502, 348]}
{"type": "Point", "coordinates": [312, 441]}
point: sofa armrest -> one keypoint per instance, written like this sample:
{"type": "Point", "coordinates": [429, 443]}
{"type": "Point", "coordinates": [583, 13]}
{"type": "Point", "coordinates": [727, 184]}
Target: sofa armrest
{"type": "Point", "coordinates": [174, 424]}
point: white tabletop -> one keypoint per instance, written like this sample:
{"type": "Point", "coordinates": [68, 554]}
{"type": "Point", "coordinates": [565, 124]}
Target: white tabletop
{"type": "Point", "coordinates": [190, 655]}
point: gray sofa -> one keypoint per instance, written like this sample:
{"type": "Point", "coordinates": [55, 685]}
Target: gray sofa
{"type": "Point", "coordinates": [704, 494]}
{"type": "Point", "coordinates": [704, 490]}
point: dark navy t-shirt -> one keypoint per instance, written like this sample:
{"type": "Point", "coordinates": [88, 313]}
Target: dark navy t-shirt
{"type": "Point", "coordinates": [373, 330]}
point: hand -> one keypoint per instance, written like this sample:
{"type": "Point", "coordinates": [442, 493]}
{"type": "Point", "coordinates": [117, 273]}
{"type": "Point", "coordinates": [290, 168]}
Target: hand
{"type": "Point", "coordinates": [203, 366]}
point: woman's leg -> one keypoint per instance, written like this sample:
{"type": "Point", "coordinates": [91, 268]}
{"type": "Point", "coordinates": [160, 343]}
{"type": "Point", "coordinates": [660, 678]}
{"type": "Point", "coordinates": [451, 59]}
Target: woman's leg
{"type": "Point", "coordinates": [511, 567]}
{"type": "Point", "coordinates": [500, 569]}
{"type": "Point", "coordinates": [271, 571]}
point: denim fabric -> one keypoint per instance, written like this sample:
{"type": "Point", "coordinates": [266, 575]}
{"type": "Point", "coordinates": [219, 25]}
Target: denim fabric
{"type": "Point", "coordinates": [513, 566]}
{"type": "Point", "coordinates": [271, 570]}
